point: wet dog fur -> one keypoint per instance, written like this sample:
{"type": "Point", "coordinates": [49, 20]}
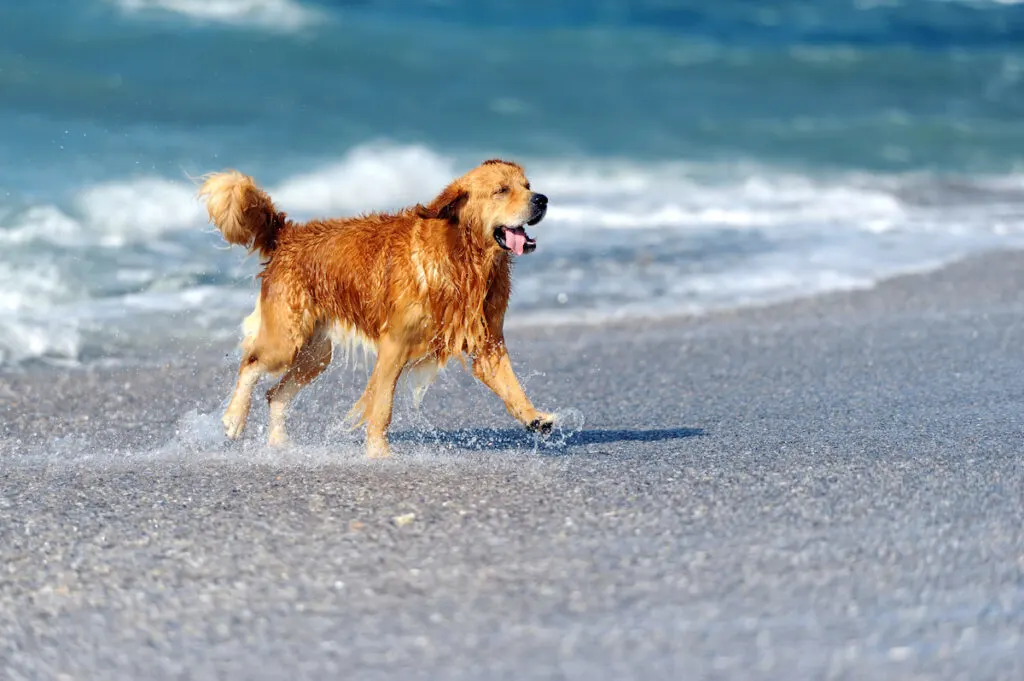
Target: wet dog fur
{"type": "Point", "coordinates": [418, 286]}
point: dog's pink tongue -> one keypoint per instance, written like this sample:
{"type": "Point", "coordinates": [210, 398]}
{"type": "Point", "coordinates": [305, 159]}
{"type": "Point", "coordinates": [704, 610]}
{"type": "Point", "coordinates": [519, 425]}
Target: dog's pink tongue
{"type": "Point", "coordinates": [515, 240]}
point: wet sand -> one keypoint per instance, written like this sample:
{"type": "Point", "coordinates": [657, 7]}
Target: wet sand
{"type": "Point", "coordinates": [826, 488]}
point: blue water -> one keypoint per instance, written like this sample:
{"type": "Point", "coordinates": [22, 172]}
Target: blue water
{"type": "Point", "coordinates": [697, 154]}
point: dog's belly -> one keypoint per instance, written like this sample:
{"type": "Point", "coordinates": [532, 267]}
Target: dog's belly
{"type": "Point", "coordinates": [347, 340]}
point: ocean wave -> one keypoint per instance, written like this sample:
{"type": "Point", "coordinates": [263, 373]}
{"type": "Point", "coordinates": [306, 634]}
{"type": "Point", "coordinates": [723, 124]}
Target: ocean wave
{"type": "Point", "coordinates": [623, 238]}
{"type": "Point", "coordinates": [278, 15]}
{"type": "Point", "coordinates": [687, 197]}
{"type": "Point", "coordinates": [28, 330]}
{"type": "Point", "coordinates": [30, 286]}
{"type": "Point", "coordinates": [27, 338]}
{"type": "Point", "coordinates": [594, 194]}
{"type": "Point", "coordinates": [110, 215]}
{"type": "Point", "coordinates": [119, 213]}
{"type": "Point", "coordinates": [370, 177]}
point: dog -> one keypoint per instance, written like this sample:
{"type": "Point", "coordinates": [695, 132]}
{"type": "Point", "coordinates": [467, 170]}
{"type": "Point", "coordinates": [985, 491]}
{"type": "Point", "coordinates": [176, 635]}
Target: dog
{"type": "Point", "coordinates": [417, 287]}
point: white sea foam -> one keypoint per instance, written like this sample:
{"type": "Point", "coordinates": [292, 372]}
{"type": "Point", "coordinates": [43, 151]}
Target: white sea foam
{"type": "Point", "coordinates": [123, 212]}
{"type": "Point", "coordinates": [42, 223]}
{"type": "Point", "coordinates": [25, 337]}
{"type": "Point", "coordinates": [28, 292]}
{"type": "Point", "coordinates": [279, 15]}
{"type": "Point", "coordinates": [371, 177]}
{"type": "Point", "coordinates": [675, 195]}
{"type": "Point", "coordinates": [111, 215]}
{"type": "Point", "coordinates": [586, 195]}
{"type": "Point", "coordinates": [622, 239]}
{"type": "Point", "coordinates": [118, 213]}
{"type": "Point", "coordinates": [27, 286]}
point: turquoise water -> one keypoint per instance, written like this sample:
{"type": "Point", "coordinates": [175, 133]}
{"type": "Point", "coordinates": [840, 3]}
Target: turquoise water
{"type": "Point", "coordinates": [697, 154]}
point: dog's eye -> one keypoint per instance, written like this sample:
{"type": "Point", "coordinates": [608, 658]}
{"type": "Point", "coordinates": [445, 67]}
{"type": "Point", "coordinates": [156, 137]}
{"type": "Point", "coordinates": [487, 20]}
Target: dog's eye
{"type": "Point", "coordinates": [501, 190]}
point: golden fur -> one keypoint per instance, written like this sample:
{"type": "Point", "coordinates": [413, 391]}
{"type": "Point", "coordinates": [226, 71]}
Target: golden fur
{"type": "Point", "coordinates": [418, 286]}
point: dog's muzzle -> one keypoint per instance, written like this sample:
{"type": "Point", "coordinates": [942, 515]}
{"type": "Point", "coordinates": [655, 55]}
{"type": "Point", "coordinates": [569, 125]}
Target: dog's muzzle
{"type": "Point", "coordinates": [515, 239]}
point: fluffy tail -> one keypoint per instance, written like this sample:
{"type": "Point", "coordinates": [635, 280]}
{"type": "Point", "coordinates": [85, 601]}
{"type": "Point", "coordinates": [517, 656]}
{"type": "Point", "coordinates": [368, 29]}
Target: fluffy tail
{"type": "Point", "coordinates": [242, 212]}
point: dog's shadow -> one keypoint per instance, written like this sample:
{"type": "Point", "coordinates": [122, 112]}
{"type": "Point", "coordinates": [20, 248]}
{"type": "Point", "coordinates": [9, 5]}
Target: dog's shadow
{"type": "Point", "coordinates": [518, 438]}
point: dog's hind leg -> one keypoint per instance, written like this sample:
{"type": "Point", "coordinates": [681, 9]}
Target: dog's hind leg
{"type": "Point", "coordinates": [422, 374]}
{"type": "Point", "coordinates": [249, 374]}
{"type": "Point", "coordinates": [282, 331]}
{"type": "Point", "coordinates": [235, 416]}
{"type": "Point", "coordinates": [312, 359]}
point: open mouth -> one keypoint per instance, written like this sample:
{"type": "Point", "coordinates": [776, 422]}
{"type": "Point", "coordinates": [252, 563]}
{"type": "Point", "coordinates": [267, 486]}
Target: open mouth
{"type": "Point", "coordinates": [515, 239]}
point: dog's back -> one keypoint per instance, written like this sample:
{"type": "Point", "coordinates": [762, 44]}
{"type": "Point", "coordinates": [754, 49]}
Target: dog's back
{"type": "Point", "coordinates": [356, 271]}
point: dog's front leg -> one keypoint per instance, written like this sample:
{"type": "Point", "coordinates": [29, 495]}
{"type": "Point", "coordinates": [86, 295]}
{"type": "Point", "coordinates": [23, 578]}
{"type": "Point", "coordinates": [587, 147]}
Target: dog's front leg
{"type": "Point", "coordinates": [377, 400]}
{"type": "Point", "coordinates": [494, 369]}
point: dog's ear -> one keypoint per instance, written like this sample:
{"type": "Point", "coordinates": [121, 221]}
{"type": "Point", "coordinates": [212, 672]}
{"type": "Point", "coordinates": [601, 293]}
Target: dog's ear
{"type": "Point", "coordinates": [446, 206]}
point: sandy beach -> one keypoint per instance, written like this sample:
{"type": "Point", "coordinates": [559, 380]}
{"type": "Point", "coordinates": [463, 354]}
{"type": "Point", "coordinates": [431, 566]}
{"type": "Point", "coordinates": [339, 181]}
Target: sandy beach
{"type": "Point", "coordinates": [829, 488]}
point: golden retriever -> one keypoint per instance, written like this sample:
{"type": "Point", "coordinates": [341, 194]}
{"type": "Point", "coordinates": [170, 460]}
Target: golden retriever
{"type": "Point", "coordinates": [418, 286]}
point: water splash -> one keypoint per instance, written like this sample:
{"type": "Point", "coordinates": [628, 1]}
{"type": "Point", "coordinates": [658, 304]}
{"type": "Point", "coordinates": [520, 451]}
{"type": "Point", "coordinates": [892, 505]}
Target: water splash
{"type": "Point", "coordinates": [568, 422]}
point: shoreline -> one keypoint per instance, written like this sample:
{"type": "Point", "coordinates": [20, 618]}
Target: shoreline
{"type": "Point", "coordinates": [222, 339]}
{"type": "Point", "coordinates": [206, 371]}
{"type": "Point", "coordinates": [822, 488]}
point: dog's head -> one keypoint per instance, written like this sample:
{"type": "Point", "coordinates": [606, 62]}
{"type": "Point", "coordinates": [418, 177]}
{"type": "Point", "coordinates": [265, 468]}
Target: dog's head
{"type": "Point", "coordinates": [496, 200]}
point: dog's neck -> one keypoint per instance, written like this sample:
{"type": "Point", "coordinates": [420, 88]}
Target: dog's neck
{"type": "Point", "coordinates": [468, 245]}
{"type": "Point", "coordinates": [469, 297]}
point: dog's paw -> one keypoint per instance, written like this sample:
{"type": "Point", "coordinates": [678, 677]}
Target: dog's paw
{"type": "Point", "coordinates": [233, 426]}
{"type": "Point", "coordinates": [277, 438]}
{"type": "Point", "coordinates": [542, 424]}
{"type": "Point", "coordinates": [377, 449]}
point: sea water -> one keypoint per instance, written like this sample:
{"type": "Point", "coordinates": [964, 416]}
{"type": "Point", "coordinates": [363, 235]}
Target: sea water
{"type": "Point", "coordinates": [697, 155]}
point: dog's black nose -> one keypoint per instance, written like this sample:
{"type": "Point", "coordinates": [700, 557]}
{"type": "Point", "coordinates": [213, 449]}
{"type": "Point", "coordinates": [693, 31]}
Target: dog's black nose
{"type": "Point", "coordinates": [539, 200]}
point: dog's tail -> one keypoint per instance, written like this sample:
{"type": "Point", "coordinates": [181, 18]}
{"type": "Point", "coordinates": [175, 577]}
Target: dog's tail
{"type": "Point", "coordinates": [242, 212]}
